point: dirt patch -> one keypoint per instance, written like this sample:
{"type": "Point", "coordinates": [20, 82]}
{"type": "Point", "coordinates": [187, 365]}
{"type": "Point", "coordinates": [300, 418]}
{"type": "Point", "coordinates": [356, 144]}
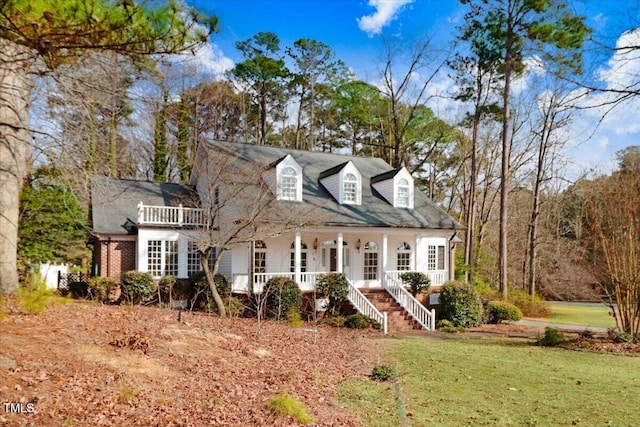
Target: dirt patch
{"type": "Point", "coordinates": [90, 364]}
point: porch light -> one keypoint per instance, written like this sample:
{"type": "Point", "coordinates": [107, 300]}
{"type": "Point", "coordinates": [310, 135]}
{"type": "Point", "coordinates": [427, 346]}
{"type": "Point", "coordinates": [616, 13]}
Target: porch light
{"type": "Point", "coordinates": [358, 244]}
{"type": "Point", "coordinates": [315, 243]}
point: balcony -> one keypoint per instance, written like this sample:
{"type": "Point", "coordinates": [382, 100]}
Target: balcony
{"type": "Point", "coordinates": [170, 216]}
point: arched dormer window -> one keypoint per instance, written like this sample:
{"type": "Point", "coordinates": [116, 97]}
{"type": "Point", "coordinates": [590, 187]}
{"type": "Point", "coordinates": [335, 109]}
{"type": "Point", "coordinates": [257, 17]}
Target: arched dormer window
{"type": "Point", "coordinates": [288, 177]}
{"type": "Point", "coordinates": [289, 184]}
{"type": "Point", "coordinates": [350, 189]}
{"type": "Point", "coordinates": [403, 194]}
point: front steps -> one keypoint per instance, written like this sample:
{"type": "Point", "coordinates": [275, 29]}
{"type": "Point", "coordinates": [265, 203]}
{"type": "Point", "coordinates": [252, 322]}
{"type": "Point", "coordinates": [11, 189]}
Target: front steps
{"type": "Point", "coordinates": [398, 320]}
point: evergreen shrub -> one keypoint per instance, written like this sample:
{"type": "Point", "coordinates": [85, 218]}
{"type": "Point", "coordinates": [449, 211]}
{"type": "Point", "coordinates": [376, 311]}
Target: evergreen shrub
{"type": "Point", "coordinates": [283, 298]}
{"type": "Point", "coordinates": [335, 288]}
{"type": "Point", "coordinates": [502, 311]}
{"type": "Point", "coordinates": [418, 282]}
{"type": "Point", "coordinates": [137, 287]}
{"type": "Point", "coordinates": [460, 305]}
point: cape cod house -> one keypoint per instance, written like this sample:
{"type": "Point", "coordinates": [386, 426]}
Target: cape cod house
{"type": "Point", "coordinates": [353, 215]}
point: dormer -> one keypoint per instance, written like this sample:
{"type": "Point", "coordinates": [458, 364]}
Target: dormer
{"type": "Point", "coordinates": [344, 182]}
{"type": "Point", "coordinates": [396, 186]}
{"type": "Point", "coordinates": [289, 179]}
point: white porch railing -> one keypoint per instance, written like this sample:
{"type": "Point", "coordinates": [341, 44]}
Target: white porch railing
{"type": "Point", "coordinates": [306, 283]}
{"type": "Point", "coordinates": [366, 307]}
{"type": "Point", "coordinates": [425, 317]}
{"type": "Point", "coordinates": [170, 215]}
{"type": "Point", "coordinates": [436, 277]}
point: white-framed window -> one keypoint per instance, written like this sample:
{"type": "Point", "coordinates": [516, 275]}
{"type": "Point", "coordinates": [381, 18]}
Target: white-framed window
{"type": "Point", "coordinates": [193, 259]}
{"type": "Point", "coordinates": [194, 264]}
{"type": "Point", "coordinates": [436, 257]}
{"type": "Point", "coordinates": [289, 184]}
{"type": "Point", "coordinates": [303, 257]}
{"type": "Point", "coordinates": [403, 257]}
{"type": "Point", "coordinates": [371, 261]}
{"type": "Point", "coordinates": [350, 189]}
{"type": "Point", "coordinates": [260, 257]}
{"type": "Point", "coordinates": [404, 194]}
{"type": "Point", "coordinates": [162, 257]}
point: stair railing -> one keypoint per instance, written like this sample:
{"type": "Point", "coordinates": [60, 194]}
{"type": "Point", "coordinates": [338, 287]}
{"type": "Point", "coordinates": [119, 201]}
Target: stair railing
{"type": "Point", "coordinates": [366, 307]}
{"type": "Point", "coordinates": [425, 317]}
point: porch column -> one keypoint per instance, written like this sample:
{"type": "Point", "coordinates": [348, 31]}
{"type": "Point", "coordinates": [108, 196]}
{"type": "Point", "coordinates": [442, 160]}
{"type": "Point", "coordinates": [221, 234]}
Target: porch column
{"type": "Point", "coordinates": [414, 262]}
{"type": "Point", "coordinates": [385, 255]}
{"type": "Point", "coordinates": [297, 258]}
{"type": "Point", "coordinates": [339, 251]}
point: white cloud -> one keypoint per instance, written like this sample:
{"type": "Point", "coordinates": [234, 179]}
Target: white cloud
{"type": "Point", "coordinates": [386, 11]}
{"type": "Point", "coordinates": [207, 59]}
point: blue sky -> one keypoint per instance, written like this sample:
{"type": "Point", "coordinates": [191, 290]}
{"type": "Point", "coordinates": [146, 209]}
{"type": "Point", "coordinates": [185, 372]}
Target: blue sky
{"type": "Point", "coordinates": [353, 29]}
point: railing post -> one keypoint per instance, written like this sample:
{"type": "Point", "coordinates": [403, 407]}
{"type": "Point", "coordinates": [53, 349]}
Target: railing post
{"type": "Point", "coordinates": [384, 322]}
{"type": "Point", "coordinates": [140, 213]}
{"type": "Point", "coordinates": [180, 214]}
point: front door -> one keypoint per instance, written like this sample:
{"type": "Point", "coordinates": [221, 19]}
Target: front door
{"type": "Point", "coordinates": [333, 260]}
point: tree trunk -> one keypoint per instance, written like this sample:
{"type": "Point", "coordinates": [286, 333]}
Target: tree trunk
{"type": "Point", "coordinates": [506, 159]}
{"type": "Point", "coordinates": [15, 88]}
{"type": "Point", "coordinates": [210, 274]}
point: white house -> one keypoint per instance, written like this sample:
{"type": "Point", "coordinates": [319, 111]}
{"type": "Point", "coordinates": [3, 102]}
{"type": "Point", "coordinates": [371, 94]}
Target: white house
{"type": "Point", "coordinates": [369, 222]}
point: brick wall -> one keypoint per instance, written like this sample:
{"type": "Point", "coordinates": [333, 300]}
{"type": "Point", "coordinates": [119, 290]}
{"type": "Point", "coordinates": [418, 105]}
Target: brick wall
{"type": "Point", "coordinates": [115, 257]}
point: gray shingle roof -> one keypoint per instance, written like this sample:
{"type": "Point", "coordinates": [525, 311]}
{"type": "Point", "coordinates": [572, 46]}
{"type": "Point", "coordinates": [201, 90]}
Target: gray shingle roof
{"type": "Point", "coordinates": [114, 201]}
{"type": "Point", "coordinates": [374, 211]}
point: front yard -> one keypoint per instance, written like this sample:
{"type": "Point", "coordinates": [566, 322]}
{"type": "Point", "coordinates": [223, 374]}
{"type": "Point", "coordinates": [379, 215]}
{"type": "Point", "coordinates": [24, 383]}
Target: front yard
{"type": "Point", "coordinates": [457, 380]}
{"type": "Point", "coordinates": [83, 363]}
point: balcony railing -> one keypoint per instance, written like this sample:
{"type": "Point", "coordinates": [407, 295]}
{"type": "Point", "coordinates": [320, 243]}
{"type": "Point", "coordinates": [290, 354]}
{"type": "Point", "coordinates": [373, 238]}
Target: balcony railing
{"type": "Point", "coordinates": [178, 216]}
{"type": "Point", "coordinates": [436, 277]}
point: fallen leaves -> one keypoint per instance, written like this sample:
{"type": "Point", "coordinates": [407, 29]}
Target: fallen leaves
{"type": "Point", "coordinates": [98, 365]}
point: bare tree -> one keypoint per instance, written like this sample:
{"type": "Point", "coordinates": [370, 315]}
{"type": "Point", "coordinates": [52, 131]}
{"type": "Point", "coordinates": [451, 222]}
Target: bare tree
{"type": "Point", "coordinates": [613, 216]}
{"type": "Point", "coordinates": [239, 200]}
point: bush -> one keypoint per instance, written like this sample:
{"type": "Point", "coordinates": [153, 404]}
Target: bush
{"type": "Point", "coordinates": [552, 337]}
{"type": "Point", "coordinates": [165, 289]}
{"type": "Point", "coordinates": [34, 299]}
{"type": "Point", "coordinates": [357, 321]}
{"type": "Point", "coordinates": [418, 282]}
{"type": "Point", "coordinates": [283, 296]}
{"type": "Point", "coordinates": [137, 287]}
{"type": "Point", "coordinates": [285, 405]}
{"type": "Point", "coordinates": [530, 307]}
{"type": "Point", "coordinates": [334, 321]}
{"type": "Point", "coordinates": [223, 284]}
{"type": "Point", "coordinates": [460, 304]}
{"type": "Point", "coordinates": [501, 311]}
{"type": "Point", "coordinates": [202, 298]}
{"type": "Point", "coordinates": [448, 327]}
{"type": "Point", "coordinates": [620, 337]}
{"type": "Point", "coordinates": [234, 306]}
{"type": "Point", "coordinates": [98, 287]}
{"type": "Point", "coordinates": [382, 373]}
{"type": "Point", "coordinates": [335, 288]}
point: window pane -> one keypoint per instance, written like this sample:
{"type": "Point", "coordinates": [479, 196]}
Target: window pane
{"type": "Point", "coordinates": [154, 257]}
{"type": "Point", "coordinates": [441, 258]}
{"type": "Point", "coordinates": [193, 259]}
{"type": "Point", "coordinates": [404, 261]}
{"type": "Point", "coordinates": [431, 257]}
{"type": "Point", "coordinates": [370, 266]}
{"type": "Point", "coordinates": [171, 258]}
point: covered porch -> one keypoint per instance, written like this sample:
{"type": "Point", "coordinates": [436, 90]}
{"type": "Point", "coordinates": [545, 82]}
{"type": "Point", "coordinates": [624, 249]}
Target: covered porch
{"type": "Point", "coordinates": [369, 258]}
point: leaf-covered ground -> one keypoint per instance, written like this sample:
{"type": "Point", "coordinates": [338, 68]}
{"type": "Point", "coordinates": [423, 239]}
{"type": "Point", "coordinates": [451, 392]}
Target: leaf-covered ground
{"type": "Point", "coordinates": [92, 365]}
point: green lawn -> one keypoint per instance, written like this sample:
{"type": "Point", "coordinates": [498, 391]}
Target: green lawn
{"type": "Point", "coordinates": [581, 314]}
{"type": "Point", "coordinates": [471, 381]}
